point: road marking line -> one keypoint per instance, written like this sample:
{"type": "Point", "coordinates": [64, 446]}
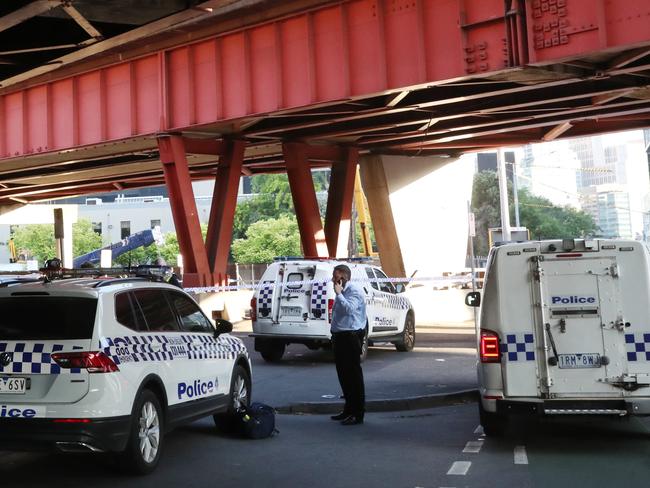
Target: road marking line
{"type": "Point", "coordinates": [479, 430]}
{"type": "Point", "coordinates": [459, 468]}
{"type": "Point", "coordinates": [520, 455]}
{"type": "Point", "coordinates": [473, 446]}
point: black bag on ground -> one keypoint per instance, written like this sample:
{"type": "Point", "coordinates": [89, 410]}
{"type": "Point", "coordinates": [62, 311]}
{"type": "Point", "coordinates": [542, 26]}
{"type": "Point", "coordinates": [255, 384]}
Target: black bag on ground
{"type": "Point", "coordinates": [257, 421]}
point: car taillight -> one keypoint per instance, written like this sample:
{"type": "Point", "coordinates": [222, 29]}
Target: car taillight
{"type": "Point", "coordinates": [489, 347]}
{"type": "Point", "coordinates": [253, 309]}
{"type": "Point", "coordinates": [93, 362]}
{"type": "Point", "coordinates": [330, 306]}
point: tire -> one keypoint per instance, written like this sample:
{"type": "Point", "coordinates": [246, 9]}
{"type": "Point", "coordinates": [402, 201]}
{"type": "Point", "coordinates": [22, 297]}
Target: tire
{"type": "Point", "coordinates": [239, 394]}
{"type": "Point", "coordinates": [273, 351]}
{"type": "Point", "coordinates": [494, 424]}
{"type": "Point", "coordinates": [145, 442]}
{"type": "Point", "coordinates": [408, 336]}
{"type": "Point", "coordinates": [364, 345]}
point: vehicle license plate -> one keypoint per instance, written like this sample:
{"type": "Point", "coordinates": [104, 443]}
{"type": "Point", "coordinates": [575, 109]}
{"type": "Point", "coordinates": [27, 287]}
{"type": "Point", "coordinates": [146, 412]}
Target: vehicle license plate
{"type": "Point", "coordinates": [13, 385]}
{"type": "Point", "coordinates": [291, 311]}
{"type": "Point", "coordinates": [578, 361]}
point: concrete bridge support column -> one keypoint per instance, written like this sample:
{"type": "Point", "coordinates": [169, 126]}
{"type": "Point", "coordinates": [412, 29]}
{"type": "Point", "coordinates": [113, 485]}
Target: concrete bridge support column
{"type": "Point", "coordinates": [418, 207]}
{"type": "Point", "coordinates": [197, 271]}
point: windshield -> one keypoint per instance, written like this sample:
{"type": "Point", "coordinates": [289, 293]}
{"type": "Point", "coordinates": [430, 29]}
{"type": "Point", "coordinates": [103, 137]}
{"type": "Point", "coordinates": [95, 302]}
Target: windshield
{"type": "Point", "coordinates": [46, 318]}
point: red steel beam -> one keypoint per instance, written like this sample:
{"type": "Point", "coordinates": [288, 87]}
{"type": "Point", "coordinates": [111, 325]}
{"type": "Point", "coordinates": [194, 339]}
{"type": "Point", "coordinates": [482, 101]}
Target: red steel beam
{"type": "Point", "coordinates": [312, 235]}
{"type": "Point", "coordinates": [287, 63]}
{"type": "Point", "coordinates": [339, 204]}
{"type": "Point", "coordinates": [222, 213]}
{"type": "Point", "coordinates": [186, 219]}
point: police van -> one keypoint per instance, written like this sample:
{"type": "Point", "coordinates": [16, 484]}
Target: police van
{"type": "Point", "coordinates": [111, 365]}
{"type": "Point", "coordinates": [564, 330]}
{"type": "Point", "coordinates": [293, 305]}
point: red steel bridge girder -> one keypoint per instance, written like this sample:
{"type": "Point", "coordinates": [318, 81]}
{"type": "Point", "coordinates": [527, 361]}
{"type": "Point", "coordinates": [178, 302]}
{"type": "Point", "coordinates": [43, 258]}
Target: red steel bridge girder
{"type": "Point", "coordinates": [350, 49]}
{"type": "Point", "coordinates": [339, 204]}
{"type": "Point", "coordinates": [312, 235]}
{"type": "Point", "coordinates": [184, 212]}
{"type": "Point", "coordinates": [205, 263]}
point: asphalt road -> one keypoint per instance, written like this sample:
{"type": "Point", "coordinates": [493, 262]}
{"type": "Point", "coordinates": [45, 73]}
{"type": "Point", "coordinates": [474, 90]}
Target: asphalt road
{"type": "Point", "coordinates": [421, 448]}
{"type": "Point", "coordinates": [440, 363]}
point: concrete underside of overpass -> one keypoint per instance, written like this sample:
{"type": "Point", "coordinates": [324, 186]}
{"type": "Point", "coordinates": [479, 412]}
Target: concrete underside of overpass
{"type": "Point", "coordinates": [253, 86]}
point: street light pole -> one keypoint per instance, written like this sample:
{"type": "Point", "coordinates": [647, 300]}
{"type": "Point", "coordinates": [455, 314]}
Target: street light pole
{"type": "Point", "coordinates": [503, 196]}
{"type": "Point", "coordinates": [515, 192]}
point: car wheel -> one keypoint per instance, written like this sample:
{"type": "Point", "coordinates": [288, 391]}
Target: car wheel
{"type": "Point", "coordinates": [364, 345]}
{"type": "Point", "coordinates": [239, 396]}
{"type": "Point", "coordinates": [146, 437]}
{"type": "Point", "coordinates": [493, 424]}
{"type": "Point", "coordinates": [273, 351]}
{"type": "Point", "coordinates": [408, 336]}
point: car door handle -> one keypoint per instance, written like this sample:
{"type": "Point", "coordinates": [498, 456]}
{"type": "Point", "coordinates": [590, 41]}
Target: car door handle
{"type": "Point", "coordinates": [156, 347]}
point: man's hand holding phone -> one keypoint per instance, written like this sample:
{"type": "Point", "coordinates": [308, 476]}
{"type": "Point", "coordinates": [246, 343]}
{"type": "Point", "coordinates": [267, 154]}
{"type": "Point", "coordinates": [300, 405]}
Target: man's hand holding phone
{"type": "Point", "coordinates": [338, 286]}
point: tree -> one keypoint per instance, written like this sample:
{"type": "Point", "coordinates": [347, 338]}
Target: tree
{"type": "Point", "coordinates": [37, 240]}
{"type": "Point", "coordinates": [266, 239]}
{"type": "Point", "coordinates": [272, 199]}
{"type": "Point", "coordinates": [84, 238]}
{"type": "Point", "coordinates": [543, 219]}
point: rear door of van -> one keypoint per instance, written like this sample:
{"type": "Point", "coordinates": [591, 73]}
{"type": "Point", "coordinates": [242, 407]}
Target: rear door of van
{"type": "Point", "coordinates": [580, 322]}
{"type": "Point", "coordinates": [295, 293]}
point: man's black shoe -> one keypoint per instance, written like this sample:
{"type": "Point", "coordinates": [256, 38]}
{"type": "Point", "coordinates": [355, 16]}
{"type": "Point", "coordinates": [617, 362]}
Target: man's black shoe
{"type": "Point", "coordinates": [340, 416]}
{"type": "Point", "coordinates": [353, 420]}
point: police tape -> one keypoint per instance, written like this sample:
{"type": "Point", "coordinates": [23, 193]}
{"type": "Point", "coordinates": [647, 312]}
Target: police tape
{"type": "Point", "coordinates": [444, 280]}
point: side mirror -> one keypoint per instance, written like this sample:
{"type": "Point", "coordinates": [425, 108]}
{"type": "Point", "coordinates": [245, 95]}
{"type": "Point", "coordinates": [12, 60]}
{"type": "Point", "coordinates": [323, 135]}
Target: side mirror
{"type": "Point", "coordinates": [400, 288]}
{"type": "Point", "coordinates": [473, 299]}
{"type": "Point", "coordinates": [223, 327]}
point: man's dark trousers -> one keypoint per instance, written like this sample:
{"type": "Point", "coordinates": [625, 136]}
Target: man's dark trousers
{"type": "Point", "coordinates": [347, 354]}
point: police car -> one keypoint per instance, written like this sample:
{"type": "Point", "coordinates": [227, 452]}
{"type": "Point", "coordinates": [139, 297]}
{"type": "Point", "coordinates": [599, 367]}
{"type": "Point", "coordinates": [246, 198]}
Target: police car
{"type": "Point", "coordinates": [293, 305]}
{"type": "Point", "coordinates": [564, 330]}
{"type": "Point", "coordinates": [111, 365]}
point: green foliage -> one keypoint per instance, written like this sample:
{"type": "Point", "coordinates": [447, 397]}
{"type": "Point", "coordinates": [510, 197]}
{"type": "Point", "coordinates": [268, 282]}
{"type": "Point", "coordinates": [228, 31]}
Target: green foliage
{"type": "Point", "coordinates": [266, 239]}
{"type": "Point", "coordinates": [543, 219]}
{"type": "Point", "coordinates": [35, 241]}
{"type": "Point", "coordinates": [548, 221]}
{"type": "Point", "coordinates": [272, 200]}
{"type": "Point", "coordinates": [84, 238]}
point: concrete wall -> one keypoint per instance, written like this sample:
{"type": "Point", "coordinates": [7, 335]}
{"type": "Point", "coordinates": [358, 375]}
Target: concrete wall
{"type": "Point", "coordinates": [428, 197]}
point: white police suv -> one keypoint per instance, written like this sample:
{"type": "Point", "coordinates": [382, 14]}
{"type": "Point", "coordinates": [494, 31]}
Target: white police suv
{"type": "Point", "coordinates": [111, 365]}
{"type": "Point", "coordinates": [293, 305]}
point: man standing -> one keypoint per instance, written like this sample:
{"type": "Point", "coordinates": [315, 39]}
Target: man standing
{"type": "Point", "coordinates": [348, 326]}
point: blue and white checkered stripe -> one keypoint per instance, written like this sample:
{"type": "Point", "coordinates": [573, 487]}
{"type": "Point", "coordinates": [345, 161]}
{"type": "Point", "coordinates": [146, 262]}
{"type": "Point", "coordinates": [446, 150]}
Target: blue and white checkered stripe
{"type": "Point", "coordinates": [266, 294]}
{"type": "Point", "coordinates": [518, 347]}
{"type": "Point", "coordinates": [319, 296]}
{"type": "Point", "coordinates": [35, 358]}
{"type": "Point", "coordinates": [637, 346]}
{"type": "Point", "coordinates": [159, 347]}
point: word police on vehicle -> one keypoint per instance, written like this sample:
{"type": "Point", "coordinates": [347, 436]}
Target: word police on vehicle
{"type": "Point", "coordinates": [293, 305]}
{"type": "Point", "coordinates": [563, 330]}
{"type": "Point", "coordinates": [110, 364]}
